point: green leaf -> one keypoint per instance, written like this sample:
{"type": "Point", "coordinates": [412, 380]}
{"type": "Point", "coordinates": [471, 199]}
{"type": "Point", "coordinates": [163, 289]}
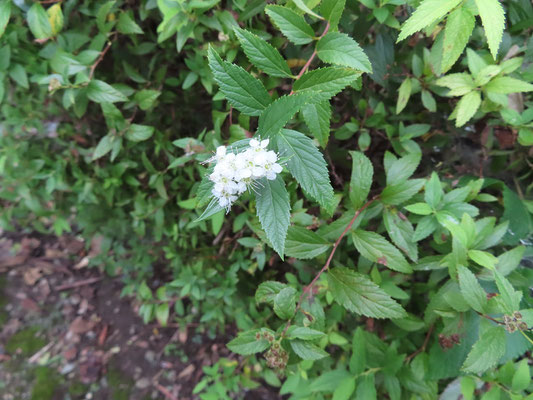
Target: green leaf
{"type": "Point", "coordinates": [377, 249]}
{"type": "Point", "coordinates": [101, 92]}
{"type": "Point", "coordinates": [459, 27]}
{"type": "Point", "coordinates": [401, 232]}
{"type": "Point", "coordinates": [5, 14]}
{"type": "Point", "coordinates": [358, 294]}
{"type": "Point", "coordinates": [292, 25]}
{"type": "Point", "coordinates": [55, 17]}
{"type": "Point", "coordinates": [146, 98]}
{"type": "Point", "coordinates": [483, 258]}
{"type": "Point", "coordinates": [401, 192]}
{"type": "Point", "coordinates": [471, 290]}
{"type": "Point", "coordinates": [325, 82]}
{"type": "Point", "coordinates": [361, 179]}
{"type": "Point", "coordinates": [304, 333]}
{"type": "Point", "coordinates": [262, 54]}
{"type": "Point", "coordinates": [419, 209]}
{"type": "Point", "coordinates": [246, 343]}
{"type": "Point", "coordinates": [510, 298]}
{"type": "Point", "coordinates": [303, 244]}
{"type": "Point", "coordinates": [332, 11]}
{"type": "Point", "coordinates": [426, 14]}
{"type": "Point", "coordinates": [487, 351]}
{"type": "Point", "coordinates": [522, 377]}
{"type": "Point", "coordinates": [493, 19]}
{"type": "Point", "coordinates": [317, 117]}
{"type": "Point", "coordinates": [277, 114]}
{"type": "Point", "coordinates": [402, 168]}
{"type": "Point", "coordinates": [38, 22]}
{"type": "Point", "coordinates": [162, 313]}
{"type": "Point", "coordinates": [340, 49]}
{"type": "Point", "coordinates": [302, 6]}
{"type": "Point", "coordinates": [307, 165]}
{"type": "Point", "coordinates": [267, 291]}
{"type": "Point", "coordinates": [212, 208]}
{"type": "Point", "coordinates": [467, 107]}
{"type": "Point", "coordinates": [425, 227]}
{"type": "Point", "coordinates": [307, 351]}
{"type": "Point", "coordinates": [433, 193]}
{"type": "Point", "coordinates": [18, 74]}
{"type": "Point", "coordinates": [345, 389]}
{"type": "Point", "coordinates": [101, 17]}
{"type": "Point", "coordinates": [428, 101]}
{"type": "Point", "coordinates": [138, 133]}
{"type": "Point", "coordinates": [506, 85]}
{"type": "Point", "coordinates": [404, 92]}
{"type": "Point", "coordinates": [273, 210]}
{"type": "Point", "coordinates": [104, 146]}
{"type": "Point", "coordinates": [459, 84]}
{"type": "Point", "coordinates": [127, 25]}
{"type": "Point", "coordinates": [241, 89]}
{"type": "Point", "coordinates": [515, 211]}
{"type": "Point", "coordinates": [285, 303]}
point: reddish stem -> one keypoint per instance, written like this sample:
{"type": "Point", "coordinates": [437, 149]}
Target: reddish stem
{"type": "Point", "coordinates": [309, 287]}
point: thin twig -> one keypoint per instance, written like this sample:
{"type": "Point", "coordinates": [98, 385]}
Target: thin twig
{"type": "Point", "coordinates": [100, 58]}
{"type": "Point", "coordinates": [73, 285]}
{"type": "Point", "coordinates": [490, 318]}
{"type": "Point", "coordinates": [309, 287]}
{"type": "Point", "coordinates": [165, 391]}
{"type": "Point", "coordinates": [424, 345]}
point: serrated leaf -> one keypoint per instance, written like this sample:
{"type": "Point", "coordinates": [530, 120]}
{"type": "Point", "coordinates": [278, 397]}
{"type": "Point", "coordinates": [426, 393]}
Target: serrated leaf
{"type": "Point", "coordinates": [428, 101]}
{"type": "Point", "coordinates": [285, 303]}
{"type": "Point", "coordinates": [317, 117]}
{"type": "Point", "coordinates": [146, 98]}
{"type": "Point", "coordinates": [493, 18]}
{"type": "Point", "coordinates": [471, 290]}
{"type": "Point", "coordinates": [404, 92]}
{"type": "Point", "coordinates": [459, 84]}
{"type": "Point", "coordinates": [241, 89]}
{"type": "Point", "coordinates": [292, 25]}
{"type": "Point", "coordinates": [433, 192]}
{"type": "Point", "coordinates": [419, 209]}
{"type": "Point", "coordinates": [506, 85]}
{"type": "Point", "coordinates": [325, 82]}
{"type": "Point", "coordinates": [262, 54]}
{"type": "Point", "coordinates": [361, 178]}
{"type": "Point", "coordinates": [101, 92]}
{"type": "Point", "coordinates": [483, 258]}
{"type": "Point", "coordinates": [467, 107]}
{"type": "Point", "coordinates": [510, 297]}
{"type": "Point", "coordinates": [246, 343]}
{"type": "Point", "coordinates": [357, 293]}
{"type": "Point", "coordinates": [377, 249]}
{"type": "Point", "coordinates": [340, 49]}
{"type": "Point", "coordinates": [332, 11]}
{"type": "Point", "coordinates": [273, 210]}
{"type": "Point", "coordinates": [302, 6]}
{"type": "Point", "coordinates": [459, 27]}
{"type": "Point", "coordinates": [55, 17]}
{"type": "Point", "coordinates": [306, 164]}
{"type": "Point", "coordinates": [5, 14]}
{"type": "Point", "coordinates": [307, 351]}
{"type": "Point", "coordinates": [38, 22]}
{"type": "Point", "coordinates": [401, 232]}
{"type": "Point", "coordinates": [127, 25]}
{"type": "Point", "coordinates": [402, 168]}
{"type": "Point", "coordinates": [522, 377]}
{"type": "Point", "coordinates": [426, 14]}
{"type": "Point", "coordinates": [161, 313]}
{"type": "Point", "coordinates": [277, 114]}
{"type": "Point", "coordinates": [304, 333]}
{"type": "Point", "coordinates": [486, 352]}
{"type": "Point", "coordinates": [212, 208]}
{"type": "Point", "coordinates": [303, 244]}
{"type": "Point", "coordinates": [103, 147]}
{"type": "Point", "coordinates": [267, 291]}
{"type": "Point", "coordinates": [138, 133]}
{"type": "Point", "coordinates": [401, 192]}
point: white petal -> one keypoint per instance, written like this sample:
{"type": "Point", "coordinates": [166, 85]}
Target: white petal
{"type": "Point", "coordinates": [264, 143]}
{"type": "Point", "coordinates": [221, 151]}
{"type": "Point", "coordinates": [277, 168]}
{"type": "Point", "coordinates": [271, 175]}
{"type": "Point", "coordinates": [254, 143]}
{"type": "Point", "coordinates": [258, 172]}
{"type": "Point", "coordinates": [271, 156]}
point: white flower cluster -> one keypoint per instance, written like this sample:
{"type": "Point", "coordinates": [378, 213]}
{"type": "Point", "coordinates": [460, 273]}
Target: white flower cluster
{"type": "Point", "coordinates": [235, 173]}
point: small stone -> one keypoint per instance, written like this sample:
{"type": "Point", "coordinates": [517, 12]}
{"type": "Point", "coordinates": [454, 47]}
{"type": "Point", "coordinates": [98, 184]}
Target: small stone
{"type": "Point", "coordinates": [142, 383]}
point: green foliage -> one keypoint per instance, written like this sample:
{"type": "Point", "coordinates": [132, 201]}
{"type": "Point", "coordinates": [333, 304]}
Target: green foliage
{"type": "Point", "coordinates": [390, 257]}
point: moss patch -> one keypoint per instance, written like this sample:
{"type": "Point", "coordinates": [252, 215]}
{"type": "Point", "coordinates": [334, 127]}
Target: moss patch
{"type": "Point", "coordinates": [25, 340]}
{"type": "Point", "coordinates": [120, 386]}
{"type": "Point", "coordinates": [46, 384]}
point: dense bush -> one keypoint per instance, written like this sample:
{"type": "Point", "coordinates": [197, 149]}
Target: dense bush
{"type": "Point", "coordinates": [406, 277]}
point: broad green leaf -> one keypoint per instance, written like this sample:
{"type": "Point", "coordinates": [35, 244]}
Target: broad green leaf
{"type": "Point", "coordinates": [303, 243]}
{"type": "Point", "coordinates": [486, 74]}
{"type": "Point", "coordinates": [38, 22]}
{"type": "Point", "coordinates": [509, 296]}
{"type": "Point", "coordinates": [262, 54]}
{"type": "Point", "coordinates": [361, 179]}
{"type": "Point", "coordinates": [304, 333]}
{"type": "Point", "coordinates": [515, 211]}
{"type": "Point", "coordinates": [401, 232]}
{"type": "Point", "coordinates": [425, 227]}
{"type": "Point", "coordinates": [419, 209]}
{"type": "Point", "coordinates": [506, 85]}
{"type": "Point", "coordinates": [317, 117]}
{"type": "Point", "coordinates": [358, 294]}
{"type": "Point", "coordinates": [212, 208]}
{"type": "Point", "coordinates": [285, 303]}
{"type": "Point", "coordinates": [5, 14]}
{"type": "Point", "coordinates": [102, 22]}
{"type": "Point", "coordinates": [340, 49]}
{"type": "Point", "coordinates": [267, 291]}
{"type": "Point", "coordinates": [101, 92]}
{"type": "Point", "coordinates": [467, 107]}
{"type": "Point", "coordinates": [433, 192]}
{"type": "Point", "coordinates": [241, 89]}
{"type": "Point", "coordinates": [146, 98]}
{"type": "Point", "coordinates": [522, 377]}
{"type": "Point", "coordinates": [19, 75]}
{"type": "Point", "coordinates": [302, 6]}
{"type": "Point", "coordinates": [404, 92]}
{"type": "Point", "coordinates": [366, 387]}
{"type": "Point", "coordinates": [273, 210]}
{"type": "Point", "coordinates": [332, 11]}
{"type": "Point", "coordinates": [399, 193]}
{"type": "Point", "coordinates": [459, 27]}
{"type": "Point", "coordinates": [493, 19]}
{"type": "Point", "coordinates": [510, 260]}
{"type": "Point", "coordinates": [428, 101]}
{"type": "Point", "coordinates": [377, 249]}
{"type": "Point", "coordinates": [292, 25]}
{"type": "Point", "coordinates": [402, 168]}
{"type": "Point", "coordinates": [345, 389]}
{"type": "Point", "coordinates": [247, 343]}
{"type": "Point", "coordinates": [127, 25]}
{"type": "Point", "coordinates": [426, 14]}
{"type": "Point", "coordinates": [487, 351]}
{"type": "Point", "coordinates": [281, 111]}
{"type": "Point", "coordinates": [307, 351]}
{"type": "Point", "coordinates": [55, 17]}
{"type": "Point", "coordinates": [471, 290]}
{"type": "Point", "coordinates": [161, 313]}
{"type": "Point", "coordinates": [459, 84]}
{"type": "Point", "coordinates": [103, 147]}
{"type": "Point", "coordinates": [307, 165]}
{"type": "Point", "coordinates": [483, 258]}
{"type": "Point", "coordinates": [325, 82]}
{"type": "Point", "coordinates": [138, 133]}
